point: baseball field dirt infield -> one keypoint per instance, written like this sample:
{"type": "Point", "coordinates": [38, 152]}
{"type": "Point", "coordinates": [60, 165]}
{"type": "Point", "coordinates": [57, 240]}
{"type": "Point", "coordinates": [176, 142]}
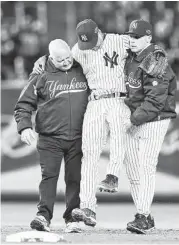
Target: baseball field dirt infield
{"type": "Point", "coordinates": [111, 218]}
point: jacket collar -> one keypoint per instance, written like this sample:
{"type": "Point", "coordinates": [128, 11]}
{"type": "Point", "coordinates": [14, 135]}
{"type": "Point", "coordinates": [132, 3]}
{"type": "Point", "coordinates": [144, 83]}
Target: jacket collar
{"type": "Point", "coordinates": [144, 53]}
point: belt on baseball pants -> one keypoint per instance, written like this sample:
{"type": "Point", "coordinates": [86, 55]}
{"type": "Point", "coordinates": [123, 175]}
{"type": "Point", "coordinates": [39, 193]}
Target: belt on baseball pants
{"type": "Point", "coordinates": [106, 96]}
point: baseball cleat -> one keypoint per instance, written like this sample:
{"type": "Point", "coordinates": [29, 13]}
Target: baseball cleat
{"type": "Point", "coordinates": [40, 224]}
{"type": "Point", "coordinates": [110, 184]}
{"type": "Point", "coordinates": [73, 227]}
{"type": "Point", "coordinates": [86, 215]}
{"type": "Point", "coordinates": [141, 224]}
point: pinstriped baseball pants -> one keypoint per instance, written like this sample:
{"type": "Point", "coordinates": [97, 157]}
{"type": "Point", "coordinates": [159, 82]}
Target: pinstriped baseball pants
{"type": "Point", "coordinates": [141, 159]}
{"type": "Point", "coordinates": [102, 116]}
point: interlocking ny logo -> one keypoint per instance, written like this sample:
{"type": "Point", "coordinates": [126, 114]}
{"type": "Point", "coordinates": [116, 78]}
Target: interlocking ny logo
{"type": "Point", "coordinates": [84, 38]}
{"type": "Point", "coordinates": [112, 61]}
{"type": "Point", "coordinates": [133, 25]}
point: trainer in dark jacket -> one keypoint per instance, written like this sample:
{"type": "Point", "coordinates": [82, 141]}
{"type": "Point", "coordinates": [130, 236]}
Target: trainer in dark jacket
{"type": "Point", "coordinates": [60, 99]}
{"type": "Point", "coordinates": [59, 96]}
{"type": "Point", "coordinates": [149, 98]}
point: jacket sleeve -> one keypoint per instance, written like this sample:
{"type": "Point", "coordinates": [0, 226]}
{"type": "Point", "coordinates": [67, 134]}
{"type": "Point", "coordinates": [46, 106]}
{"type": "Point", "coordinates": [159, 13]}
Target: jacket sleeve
{"type": "Point", "coordinates": [156, 92]}
{"type": "Point", "coordinates": [26, 104]}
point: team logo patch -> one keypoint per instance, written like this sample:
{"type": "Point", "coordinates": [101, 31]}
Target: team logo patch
{"type": "Point", "coordinates": [132, 82]}
{"type": "Point", "coordinates": [154, 83]}
{"type": "Point", "coordinates": [84, 38]}
{"type": "Point", "coordinates": [148, 32]}
{"type": "Point", "coordinates": [56, 89]}
{"type": "Point", "coordinates": [111, 60]}
{"type": "Point", "coordinates": [133, 25]}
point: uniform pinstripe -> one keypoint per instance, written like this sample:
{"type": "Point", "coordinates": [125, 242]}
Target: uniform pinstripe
{"type": "Point", "coordinates": [104, 75]}
{"type": "Point", "coordinates": [141, 160]}
{"type": "Point", "coordinates": [99, 76]}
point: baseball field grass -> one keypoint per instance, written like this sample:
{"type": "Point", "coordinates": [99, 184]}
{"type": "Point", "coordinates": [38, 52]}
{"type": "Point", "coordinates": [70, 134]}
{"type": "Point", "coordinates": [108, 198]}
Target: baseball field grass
{"type": "Point", "coordinates": [110, 229]}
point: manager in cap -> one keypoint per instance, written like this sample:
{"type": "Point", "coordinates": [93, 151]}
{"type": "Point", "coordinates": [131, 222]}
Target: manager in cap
{"type": "Point", "coordinates": [140, 32]}
{"type": "Point", "coordinates": [151, 99]}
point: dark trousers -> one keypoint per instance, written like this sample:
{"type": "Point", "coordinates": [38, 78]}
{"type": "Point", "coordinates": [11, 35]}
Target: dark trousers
{"type": "Point", "coordinates": [51, 151]}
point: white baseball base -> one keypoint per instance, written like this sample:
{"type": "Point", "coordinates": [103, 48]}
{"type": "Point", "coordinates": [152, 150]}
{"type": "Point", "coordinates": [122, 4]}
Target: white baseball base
{"type": "Point", "coordinates": [34, 236]}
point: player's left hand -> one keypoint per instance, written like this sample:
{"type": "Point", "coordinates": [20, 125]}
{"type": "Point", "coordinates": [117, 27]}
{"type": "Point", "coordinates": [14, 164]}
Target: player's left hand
{"type": "Point", "coordinates": [39, 65]}
{"type": "Point", "coordinates": [28, 136]}
{"type": "Point", "coordinates": [131, 128]}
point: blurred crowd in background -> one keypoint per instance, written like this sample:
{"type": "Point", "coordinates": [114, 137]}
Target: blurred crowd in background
{"type": "Point", "coordinates": [23, 39]}
{"type": "Point", "coordinates": [25, 28]}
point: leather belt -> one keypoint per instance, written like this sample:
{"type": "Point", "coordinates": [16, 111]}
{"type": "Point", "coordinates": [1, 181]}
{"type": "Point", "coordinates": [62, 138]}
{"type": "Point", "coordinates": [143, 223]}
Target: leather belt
{"type": "Point", "coordinates": [106, 96]}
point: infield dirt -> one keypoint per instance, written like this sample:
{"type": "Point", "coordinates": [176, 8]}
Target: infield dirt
{"type": "Point", "coordinates": [112, 219]}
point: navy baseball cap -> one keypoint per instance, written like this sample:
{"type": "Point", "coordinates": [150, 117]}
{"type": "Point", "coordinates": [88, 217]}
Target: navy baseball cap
{"type": "Point", "coordinates": [140, 28]}
{"type": "Point", "coordinates": [87, 33]}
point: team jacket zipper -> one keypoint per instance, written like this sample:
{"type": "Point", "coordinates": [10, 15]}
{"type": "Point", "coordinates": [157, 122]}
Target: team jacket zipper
{"type": "Point", "coordinates": [70, 106]}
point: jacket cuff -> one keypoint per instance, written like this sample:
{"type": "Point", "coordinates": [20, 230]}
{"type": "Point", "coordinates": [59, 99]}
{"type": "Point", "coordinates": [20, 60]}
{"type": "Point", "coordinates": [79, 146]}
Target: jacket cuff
{"type": "Point", "coordinates": [23, 124]}
{"type": "Point", "coordinates": [134, 121]}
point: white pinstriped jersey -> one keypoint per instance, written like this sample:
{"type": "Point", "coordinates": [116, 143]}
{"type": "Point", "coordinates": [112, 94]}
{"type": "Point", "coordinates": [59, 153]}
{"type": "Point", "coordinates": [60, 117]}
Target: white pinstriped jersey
{"type": "Point", "coordinates": [104, 68]}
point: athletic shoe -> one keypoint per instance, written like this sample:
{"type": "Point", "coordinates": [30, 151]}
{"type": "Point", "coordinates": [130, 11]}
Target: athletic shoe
{"type": "Point", "coordinates": [86, 215]}
{"type": "Point", "coordinates": [73, 227]}
{"type": "Point", "coordinates": [40, 224]}
{"type": "Point", "coordinates": [141, 224]}
{"type": "Point", "coordinates": [151, 221]}
{"type": "Point", "coordinates": [110, 184]}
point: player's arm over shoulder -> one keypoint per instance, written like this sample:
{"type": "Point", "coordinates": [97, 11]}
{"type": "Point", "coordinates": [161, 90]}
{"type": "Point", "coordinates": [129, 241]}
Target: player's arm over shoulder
{"type": "Point", "coordinates": [75, 51]}
{"type": "Point", "coordinates": [123, 42]}
{"type": "Point", "coordinates": [124, 39]}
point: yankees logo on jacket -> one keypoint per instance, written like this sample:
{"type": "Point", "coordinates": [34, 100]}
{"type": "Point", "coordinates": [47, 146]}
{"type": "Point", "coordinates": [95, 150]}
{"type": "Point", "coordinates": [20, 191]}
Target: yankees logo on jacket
{"type": "Point", "coordinates": [53, 95]}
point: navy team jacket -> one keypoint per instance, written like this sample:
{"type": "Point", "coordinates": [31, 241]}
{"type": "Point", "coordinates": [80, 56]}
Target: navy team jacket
{"type": "Point", "coordinates": [149, 98]}
{"type": "Point", "coordinates": [59, 99]}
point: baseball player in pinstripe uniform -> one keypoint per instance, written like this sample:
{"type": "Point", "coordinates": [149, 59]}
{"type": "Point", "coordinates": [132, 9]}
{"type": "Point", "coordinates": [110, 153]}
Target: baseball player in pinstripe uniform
{"type": "Point", "coordinates": [102, 57]}
{"type": "Point", "coordinates": [151, 100]}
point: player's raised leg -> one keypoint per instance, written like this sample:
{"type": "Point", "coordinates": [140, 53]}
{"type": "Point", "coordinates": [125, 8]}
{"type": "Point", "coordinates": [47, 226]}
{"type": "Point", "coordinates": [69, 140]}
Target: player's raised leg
{"type": "Point", "coordinates": [117, 116]}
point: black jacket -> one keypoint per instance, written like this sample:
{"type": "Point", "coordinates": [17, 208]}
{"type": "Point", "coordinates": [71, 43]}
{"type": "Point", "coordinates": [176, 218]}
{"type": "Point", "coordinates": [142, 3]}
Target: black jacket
{"type": "Point", "coordinates": [59, 99]}
{"type": "Point", "coordinates": [149, 98]}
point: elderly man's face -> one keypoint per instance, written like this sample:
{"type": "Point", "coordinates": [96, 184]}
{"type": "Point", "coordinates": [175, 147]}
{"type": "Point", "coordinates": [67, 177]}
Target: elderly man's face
{"type": "Point", "coordinates": [63, 60]}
